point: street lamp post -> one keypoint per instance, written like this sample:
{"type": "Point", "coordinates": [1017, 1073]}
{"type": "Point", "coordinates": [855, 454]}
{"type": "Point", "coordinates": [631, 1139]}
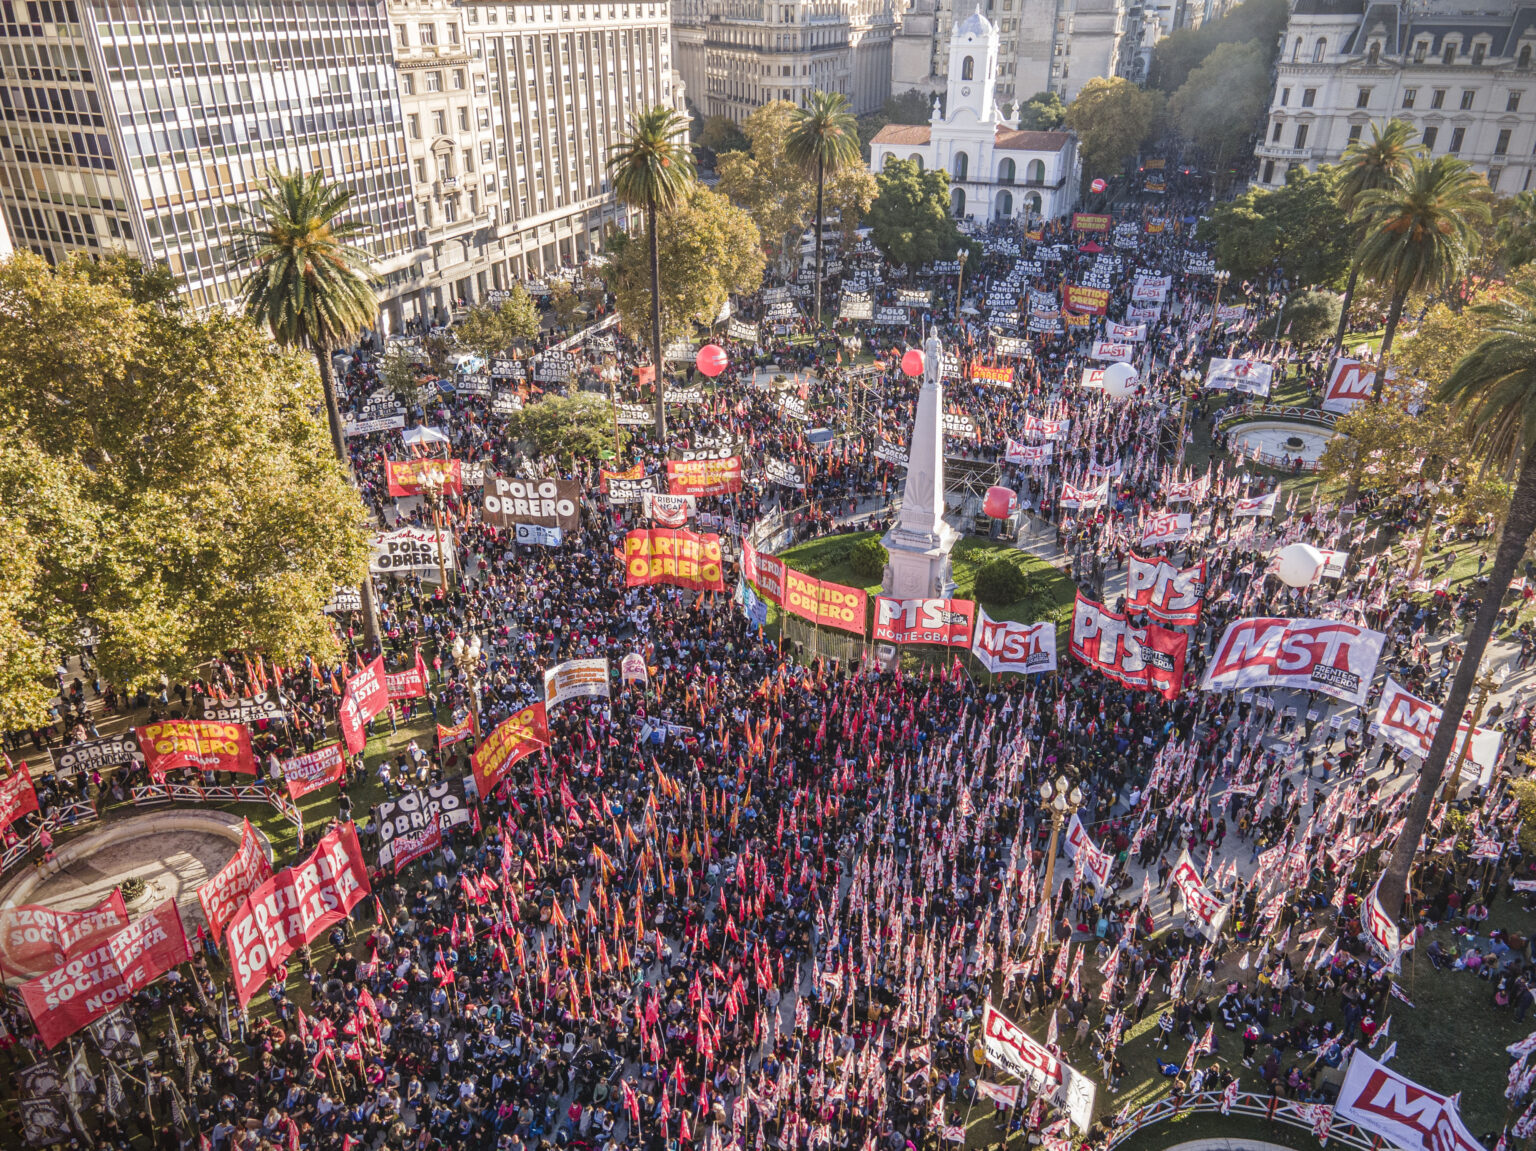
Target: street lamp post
{"type": "Point", "coordinates": [1486, 681]}
{"type": "Point", "coordinates": [1221, 279]}
{"type": "Point", "coordinates": [1189, 381]}
{"type": "Point", "coordinates": [1062, 798]}
{"type": "Point", "coordinates": [960, 282]}
{"type": "Point", "coordinates": [466, 657]}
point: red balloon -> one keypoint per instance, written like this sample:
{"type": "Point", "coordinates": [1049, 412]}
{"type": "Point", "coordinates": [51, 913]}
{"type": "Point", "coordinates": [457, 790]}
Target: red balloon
{"type": "Point", "coordinates": [1098, 185]}
{"type": "Point", "coordinates": [711, 360]}
{"type": "Point", "coordinates": [912, 362]}
{"type": "Point", "coordinates": [1000, 502]}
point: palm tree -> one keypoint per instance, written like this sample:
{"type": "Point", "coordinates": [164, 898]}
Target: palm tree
{"type": "Point", "coordinates": [1495, 387]}
{"type": "Point", "coordinates": [311, 285]}
{"type": "Point", "coordinates": [1418, 232]}
{"type": "Point", "coordinates": [1366, 167]}
{"type": "Point", "coordinates": [1517, 230]}
{"type": "Point", "coordinates": [653, 169]}
{"type": "Point", "coordinates": [823, 139]}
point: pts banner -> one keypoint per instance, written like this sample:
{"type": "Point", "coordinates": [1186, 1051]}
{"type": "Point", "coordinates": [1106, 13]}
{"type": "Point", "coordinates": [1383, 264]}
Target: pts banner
{"type": "Point", "coordinates": [945, 621]}
{"type": "Point", "coordinates": [1165, 592]}
{"type": "Point", "coordinates": [1147, 659]}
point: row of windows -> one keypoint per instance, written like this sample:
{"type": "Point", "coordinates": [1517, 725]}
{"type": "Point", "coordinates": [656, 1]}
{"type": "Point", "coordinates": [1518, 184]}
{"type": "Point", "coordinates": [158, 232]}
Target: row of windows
{"type": "Point", "coordinates": [1429, 136]}
{"type": "Point", "coordinates": [1437, 98]}
{"type": "Point", "coordinates": [531, 13]}
{"type": "Point", "coordinates": [1449, 53]}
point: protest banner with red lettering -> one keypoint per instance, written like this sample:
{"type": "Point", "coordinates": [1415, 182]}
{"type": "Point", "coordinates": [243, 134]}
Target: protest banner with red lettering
{"type": "Point", "coordinates": [1009, 1046]}
{"type": "Point", "coordinates": [519, 734]}
{"type": "Point", "coordinates": [1386, 1103]}
{"type": "Point", "coordinates": [1110, 350]}
{"type": "Point", "coordinates": [1126, 333]}
{"type": "Point", "coordinates": [35, 938]}
{"type": "Point", "coordinates": [1202, 906]}
{"type": "Point", "coordinates": [1097, 863]}
{"type": "Point", "coordinates": [1083, 498]}
{"type": "Point", "coordinates": [1081, 298]}
{"type": "Point", "coordinates": [1030, 455]}
{"type": "Point", "coordinates": [1004, 645]}
{"type": "Point", "coordinates": [1325, 655]}
{"type": "Point", "coordinates": [633, 472]}
{"type": "Point", "coordinates": [410, 848]}
{"type": "Point", "coordinates": [314, 770]}
{"type": "Point", "coordinates": [196, 743]}
{"type": "Point", "coordinates": [1046, 429]}
{"type": "Point", "coordinates": [410, 477]}
{"type": "Point", "coordinates": [410, 684]}
{"type": "Point", "coordinates": [1256, 505]}
{"type": "Point", "coordinates": [1406, 721]}
{"type": "Point", "coordinates": [704, 477]}
{"type": "Point", "coordinates": [1350, 384]}
{"type": "Point", "coordinates": [1166, 528]}
{"type": "Point", "coordinates": [826, 604]}
{"type": "Point", "coordinates": [1092, 378]}
{"type": "Point", "coordinates": [1146, 659]}
{"type": "Point", "coordinates": [1381, 932]}
{"type": "Point", "coordinates": [576, 679]}
{"type": "Point", "coordinates": [293, 908]}
{"type": "Point", "coordinates": [1165, 592]}
{"type": "Point", "coordinates": [1090, 222]}
{"type": "Point", "coordinates": [945, 621]}
{"type": "Point", "coordinates": [764, 572]}
{"type": "Point", "coordinates": [223, 892]}
{"type": "Point", "coordinates": [17, 796]}
{"type": "Point", "coordinates": [1250, 376]}
{"type": "Point", "coordinates": [365, 696]}
{"type": "Point", "coordinates": [674, 556]}
{"type": "Point", "coordinates": [1186, 490]}
{"type": "Point", "coordinates": [95, 982]}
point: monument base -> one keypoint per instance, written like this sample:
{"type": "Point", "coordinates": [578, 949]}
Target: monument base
{"type": "Point", "coordinates": [919, 566]}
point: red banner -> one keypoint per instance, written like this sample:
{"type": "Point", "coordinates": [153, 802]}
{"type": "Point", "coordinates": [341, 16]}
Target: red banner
{"type": "Point", "coordinates": [366, 696]}
{"type": "Point", "coordinates": [314, 770]}
{"type": "Point", "coordinates": [85, 988]}
{"type": "Point", "coordinates": [224, 890]}
{"type": "Point", "coordinates": [764, 572]}
{"type": "Point", "coordinates": [196, 743]}
{"type": "Point", "coordinates": [634, 472]}
{"type": "Point", "coordinates": [293, 908]}
{"type": "Point", "coordinates": [517, 735]}
{"type": "Point", "coordinates": [946, 621]}
{"type": "Point", "coordinates": [827, 604]}
{"type": "Point", "coordinates": [408, 478]}
{"type": "Point", "coordinates": [1090, 222]}
{"type": "Point", "coordinates": [991, 373]}
{"type": "Point", "coordinates": [17, 796]}
{"type": "Point", "coordinates": [408, 684]}
{"type": "Point", "coordinates": [1165, 592]}
{"type": "Point", "coordinates": [674, 556]}
{"type": "Point", "coordinates": [458, 733]}
{"type": "Point", "coordinates": [410, 848]}
{"type": "Point", "coordinates": [1147, 659]}
{"type": "Point", "coordinates": [704, 477]}
{"type": "Point", "coordinates": [1081, 298]}
{"type": "Point", "coordinates": [35, 938]}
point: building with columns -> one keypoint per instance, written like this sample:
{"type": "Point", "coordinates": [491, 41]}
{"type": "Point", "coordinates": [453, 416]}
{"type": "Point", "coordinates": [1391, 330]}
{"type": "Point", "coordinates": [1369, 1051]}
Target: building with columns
{"type": "Point", "coordinates": [996, 170]}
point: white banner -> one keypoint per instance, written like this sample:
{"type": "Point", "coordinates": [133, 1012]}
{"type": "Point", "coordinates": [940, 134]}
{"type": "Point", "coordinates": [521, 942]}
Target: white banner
{"type": "Point", "coordinates": [1083, 498]}
{"type": "Point", "coordinates": [1004, 645]}
{"type": "Point", "coordinates": [669, 511]}
{"type": "Point", "coordinates": [1035, 455]}
{"type": "Point", "coordinates": [1327, 655]}
{"type": "Point", "coordinates": [1097, 864]}
{"type": "Point", "coordinates": [1256, 505]}
{"type": "Point", "coordinates": [1125, 333]}
{"type": "Point", "coordinates": [575, 678]}
{"type": "Point", "coordinates": [1405, 1113]}
{"type": "Point", "coordinates": [1010, 1047]}
{"type": "Point", "coordinates": [1202, 906]}
{"type": "Point", "coordinates": [1110, 350]}
{"type": "Point", "coordinates": [1166, 528]}
{"type": "Point", "coordinates": [1381, 931]}
{"type": "Point", "coordinates": [410, 550]}
{"type": "Point", "coordinates": [1251, 376]}
{"type": "Point", "coordinates": [1406, 721]}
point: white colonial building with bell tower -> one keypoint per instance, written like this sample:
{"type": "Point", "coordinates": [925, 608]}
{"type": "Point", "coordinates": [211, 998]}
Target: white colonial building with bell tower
{"type": "Point", "coordinates": [996, 170]}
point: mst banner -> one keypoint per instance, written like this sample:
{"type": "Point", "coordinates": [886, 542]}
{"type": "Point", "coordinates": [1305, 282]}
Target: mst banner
{"type": "Point", "coordinates": [1405, 1113]}
{"type": "Point", "coordinates": [443, 805]}
{"type": "Point", "coordinates": [1003, 645]}
{"type": "Point", "coordinates": [410, 477]}
{"type": "Point", "coordinates": [547, 503]}
{"type": "Point", "coordinates": [1012, 1048]}
{"type": "Point", "coordinates": [1173, 595]}
{"type": "Point", "coordinates": [365, 696]}
{"type": "Point", "coordinates": [225, 890]}
{"type": "Point", "coordinates": [1097, 863]}
{"type": "Point", "coordinates": [673, 556]}
{"type": "Point", "coordinates": [1326, 655]}
{"type": "Point", "coordinates": [294, 907]}
{"type": "Point", "coordinates": [704, 477]}
{"type": "Point", "coordinates": [574, 679]}
{"type": "Point", "coordinates": [520, 733]}
{"type": "Point", "coordinates": [946, 621]}
{"type": "Point", "coordinates": [195, 743]}
{"type": "Point", "coordinates": [35, 938]}
{"type": "Point", "coordinates": [1202, 906]}
{"type": "Point", "coordinates": [1147, 659]}
{"type": "Point", "coordinates": [1406, 721]}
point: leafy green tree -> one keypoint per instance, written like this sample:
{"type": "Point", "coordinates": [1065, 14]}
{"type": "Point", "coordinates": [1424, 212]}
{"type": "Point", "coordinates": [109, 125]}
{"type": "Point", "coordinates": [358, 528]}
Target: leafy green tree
{"type": "Point", "coordinates": [1177, 55]}
{"type": "Point", "coordinates": [398, 371]}
{"type": "Point", "coordinates": [709, 251]}
{"type": "Point", "coordinates": [1043, 112]}
{"type": "Point", "coordinates": [1378, 163]}
{"type": "Point", "coordinates": [1419, 232]}
{"type": "Point", "coordinates": [1309, 316]}
{"type": "Point", "coordinates": [823, 140]}
{"type": "Point", "coordinates": [574, 427]}
{"type": "Point", "coordinates": [909, 221]}
{"type": "Point", "coordinates": [1297, 229]}
{"type": "Point", "coordinates": [165, 478]}
{"type": "Point", "coordinates": [1517, 230]}
{"type": "Point", "coordinates": [491, 330]}
{"type": "Point", "coordinates": [312, 285]}
{"type": "Point", "coordinates": [850, 194]}
{"type": "Point", "coordinates": [914, 106]}
{"type": "Point", "coordinates": [565, 304]}
{"type": "Point", "coordinates": [1217, 107]}
{"type": "Point", "coordinates": [721, 135]}
{"type": "Point", "coordinates": [1495, 387]}
{"type": "Point", "coordinates": [1111, 118]}
{"type": "Point", "coordinates": [774, 190]}
{"type": "Point", "coordinates": [653, 170]}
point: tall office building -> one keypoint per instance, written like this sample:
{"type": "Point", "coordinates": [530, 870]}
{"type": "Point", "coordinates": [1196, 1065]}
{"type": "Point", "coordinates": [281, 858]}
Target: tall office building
{"type": "Point", "coordinates": [150, 124]}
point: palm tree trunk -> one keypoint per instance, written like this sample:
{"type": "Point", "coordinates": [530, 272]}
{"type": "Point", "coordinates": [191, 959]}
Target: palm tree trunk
{"type": "Point", "coordinates": [661, 398]}
{"type": "Point", "coordinates": [1349, 295]}
{"type": "Point", "coordinates": [339, 445]}
{"type": "Point", "coordinates": [1512, 543]}
{"type": "Point", "coordinates": [1394, 314]}
{"type": "Point", "coordinates": [821, 178]}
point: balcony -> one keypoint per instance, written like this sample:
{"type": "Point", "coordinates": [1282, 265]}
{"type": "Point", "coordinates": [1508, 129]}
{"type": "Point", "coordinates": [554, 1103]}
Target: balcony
{"type": "Point", "coordinates": [1276, 152]}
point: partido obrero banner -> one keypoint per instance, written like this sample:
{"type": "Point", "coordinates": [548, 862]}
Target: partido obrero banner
{"type": "Point", "coordinates": [674, 556]}
{"type": "Point", "coordinates": [825, 604]}
{"type": "Point", "coordinates": [196, 743]}
{"type": "Point", "coordinates": [704, 477]}
{"type": "Point", "coordinates": [519, 734]}
{"type": "Point", "coordinates": [413, 477]}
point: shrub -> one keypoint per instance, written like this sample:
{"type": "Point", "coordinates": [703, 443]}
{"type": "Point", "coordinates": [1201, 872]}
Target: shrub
{"type": "Point", "coordinates": [868, 559]}
{"type": "Point", "coordinates": [1000, 581]}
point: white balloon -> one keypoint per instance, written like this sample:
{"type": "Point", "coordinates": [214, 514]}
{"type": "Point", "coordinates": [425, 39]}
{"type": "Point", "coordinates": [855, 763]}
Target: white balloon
{"type": "Point", "coordinates": [1119, 380]}
{"type": "Point", "coordinates": [1298, 565]}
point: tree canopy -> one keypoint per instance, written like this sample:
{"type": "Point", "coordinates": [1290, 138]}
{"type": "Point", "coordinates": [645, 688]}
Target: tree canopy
{"type": "Point", "coordinates": [1043, 112]}
{"type": "Point", "coordinates": [1298, 229]}
{"type": "Point", "coordinates": [1175, 56]}
{"type": "Point", "coordinates": [909, 221]}
{"type": "Point", "coordinates": [1217, 107]}
{"type": "Point", "coordinates": [577, 426]}
{"type": "Point", "coordinates": [1111, 118]}
{"type": "Point", "coordinates": [491, 329]}
{"type": "Point", "coordinates": [774, 190]}
{"type": "Point", "coordinates": [166, 478]}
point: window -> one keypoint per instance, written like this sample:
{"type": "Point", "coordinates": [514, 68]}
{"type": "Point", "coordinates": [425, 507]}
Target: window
{"type": "Point", "coordinates": [434, 81]}
{"type": "Point", "coordinates": [1354, 133]}
{"type": "Point", "coordinates": [1430, 133]}
{"type": "Point", "coordinates": [407, 84]}
{"type": "Point", "coordinates": [1363, 98]}
{"type": "Point", "coordinates": [1295, 59]}
{"type": "Point", "coordinates": [421, 171]}
{"type": "Point", "coordinates": [401, 38]}
{"type": "Point", "coordinates": [1269, 165]}
{"type": "Point", "coordinates": [1285, 97]}
{"type": "Point", "coordinates": [1374, 55]}
{"type": "Point", "coordinates": [453, 33]}
{"type": "Point", "coordinates": [458, 79]}
{"type": "Point", "coordinates": [1457, 136]}
{"type": "Point", "coordinates": [1501, 145]}
{"type": "Point", "coordinates": [968, 69]}
{"type": "Point", "coordinates": [463, 119]}
{"type": "Point", "coordinates": [1006, 171]}
{"type": "Point", "coordinates": [1275, 136]}
{"type": "Point", "coordinates": [962, 166]}
{"type": "Point", "coordinates": [1512, 102]}
{"type": "Point", "coordinates": [1301, 135]}
{"type": "Point", "coordinates": [1420, 51]}
{"type": "Point", "coordinates": [1466, 99]}
{"type": "Point", "coordinates": [1319, 50]}
{"type": "Point", "coordinates": [1478, 52]}
{"type": "Point", "coordinates": [1409, 96]}
{"type": "Point", "coordinates": [469, 161]}
{"type": "Point", "coordinates": [1437, 98]}
{"type": "Point", "coordinates": [1493, 178]}
{"type": "Point", "coordinates": [428, 34]}
{"type": "Point", "coordinates": [415, 122]}
{"type": "Point", "coordinates": [1449, 55]}
{"type": "Point", "coordinates": [1525, 56]}
{"type": "Point", "coordinates": [439, 123]}
{"type": "Point", "coordinates": [1308, 97]}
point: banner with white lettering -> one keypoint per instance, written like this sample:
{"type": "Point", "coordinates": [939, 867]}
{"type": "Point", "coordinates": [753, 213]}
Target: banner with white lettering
{"type": "Point", "coordinates": [1350, 384]}
{"type": "Point", "coordinates": [222, 892]}
{"type": "Point", "coordinates": [622, 490]}
{"type": "Point", "coordinates": [669, 511]}
{"type": "Point", "coordinates": [17, 796]}
{"type": "Point", "coordinates": [1407, 1114]}
{"type": "Point", "coordinates": [365, 696]}
{"type": "Point", "coordinates": [783, 472]}
{"type": "Point", "coordinates": [547, 503]}
{"type": "Point", "coordinates": [411, 550]}
{"type": "Point", "coordinates": [1146, 659]}
{"type": "Point", "coordinates": [445, 805]}
{"type": "Point", "coordinates": [1164, 591]}
{"type": "Point", "coordinates": [313, 770]}
{"type": "Point", "coordinates": [1326, 655]}
{"type": "Point", "coordinates": [35, 938]}
{"type": "Point", "coordinates": [1202, 906]}
{"type": "Point", "coordinates": [1005, 645]}
{"type": "Point", "coordinates": [1030, 455]}
{"type": "Point", "coordinates": [945, 621]}
{"type": "Point", "coordinates": [1381, 931]}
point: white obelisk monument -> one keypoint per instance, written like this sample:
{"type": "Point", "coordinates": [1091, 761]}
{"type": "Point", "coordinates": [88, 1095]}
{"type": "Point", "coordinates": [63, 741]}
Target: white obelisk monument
{"type": "Point", "coordinates": [920, 543]}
